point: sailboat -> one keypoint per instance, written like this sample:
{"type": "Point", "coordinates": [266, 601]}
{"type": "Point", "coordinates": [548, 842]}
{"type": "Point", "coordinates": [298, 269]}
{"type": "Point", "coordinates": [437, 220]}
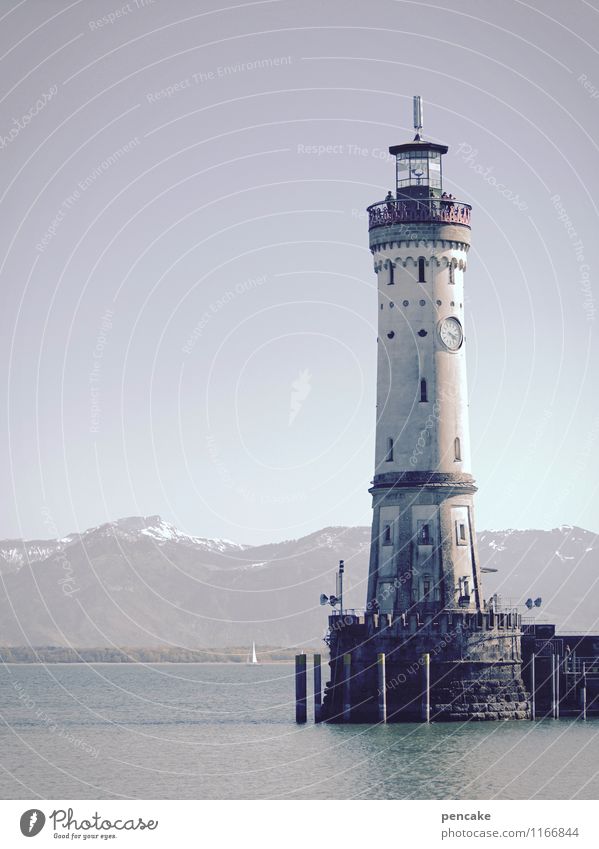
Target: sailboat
{"type": "Point", "coordinates": [252, 658]}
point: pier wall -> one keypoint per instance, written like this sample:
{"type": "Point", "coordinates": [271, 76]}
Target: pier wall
{"type": "Point", "coordinates": [475, 667]}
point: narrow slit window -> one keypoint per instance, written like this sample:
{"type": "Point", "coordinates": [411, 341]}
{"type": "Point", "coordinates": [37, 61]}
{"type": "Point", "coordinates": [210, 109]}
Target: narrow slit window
{"type": "Point", "coordinates": [389, 457]}
{"type": "Point", "coordinates": [391, 274]}
{"type": "Point", "coordinates": [452, 274]}
{"type": "Point", "coordinates": [421, 278]}
{"type": "Point", "coordinates": [461, 533]}
{"type": "Point", "coordinates": [423, 533]}
{"type": "Point", "coordinates": [423, 395]}
{"type": "Point", "coordinates": [387, 534]}
{"type": "Point", "coordinates": [457, 448]}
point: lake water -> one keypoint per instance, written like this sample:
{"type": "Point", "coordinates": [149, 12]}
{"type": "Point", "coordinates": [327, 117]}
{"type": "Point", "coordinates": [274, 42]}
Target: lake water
{"type": "Point", "coordinates": [187, 731]}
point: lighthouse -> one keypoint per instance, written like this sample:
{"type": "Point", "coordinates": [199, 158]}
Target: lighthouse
{"type": "Point", "coordinates": [427, 644]}
{"type": "Point", "coordinates": [423, 554]}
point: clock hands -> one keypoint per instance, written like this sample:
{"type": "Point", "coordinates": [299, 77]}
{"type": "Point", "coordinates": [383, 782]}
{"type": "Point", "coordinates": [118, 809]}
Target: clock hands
{"type": "Point", "coordinates": [451, 334]}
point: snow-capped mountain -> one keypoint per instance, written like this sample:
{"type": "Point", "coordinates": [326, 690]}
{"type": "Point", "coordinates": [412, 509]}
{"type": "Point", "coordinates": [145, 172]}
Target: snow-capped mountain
{"type": "Point", "coordinates": [140, 581]}
{"type": "Point", "coordinates": [153, 527]}
{"type": "Point", "coordinates": [17, 553]}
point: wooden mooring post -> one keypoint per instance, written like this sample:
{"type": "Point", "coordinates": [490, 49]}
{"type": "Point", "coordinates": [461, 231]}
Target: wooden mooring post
{"type": "Point", "coordinates": [553, 705]}
{"type": "Point", "coordinates": [381, 687]}
{"type": "Point", "coordinates": [584, 690]}
{"type": "Point", "coordinates": [426, 688]}
{"type": "Point", "coordinates": [317, 689]}
{"type": "Point", "coordinates": [533, 688]}
{"type": "Point", "coordinates": [301, 699]}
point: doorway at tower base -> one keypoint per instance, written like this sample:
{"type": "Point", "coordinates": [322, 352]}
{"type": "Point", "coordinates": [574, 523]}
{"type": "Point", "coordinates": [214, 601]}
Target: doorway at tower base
{"type": "Point", "coordinates": [474, 671]}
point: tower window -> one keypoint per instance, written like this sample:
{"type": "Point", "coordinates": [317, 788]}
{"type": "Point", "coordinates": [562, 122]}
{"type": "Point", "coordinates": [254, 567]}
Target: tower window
{"type": "Point", "coordinates": [387, 535]}
{"type": "Point", "coordinates": [423, 396]}
{"type": "Point", "coordinates": [421, 278]}
{"type": "Point", "coordinates": [461, 533]}
{"type": "Point", "coordinates": [426, 586]}
{"type": "Point", "coordinates": [464, 584]}
{"type": "Point", "coordinates": [391, 273]}
{"type": "Point", "coordinates": [389, 457]}
{"type": "Point", "coordinates": [423, 533]}
{"type": "Point", "coordinates": [452, 274]}
{"type": "Point", "coordinates": [457, 449]}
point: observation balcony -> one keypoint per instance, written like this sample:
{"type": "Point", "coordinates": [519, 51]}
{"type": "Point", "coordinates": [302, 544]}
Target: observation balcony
{"type": "Point", "coordinates": [425, 210]}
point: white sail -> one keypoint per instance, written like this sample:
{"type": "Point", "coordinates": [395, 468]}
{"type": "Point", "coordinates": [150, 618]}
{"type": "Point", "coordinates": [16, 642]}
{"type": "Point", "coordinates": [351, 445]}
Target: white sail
{"type": "Point", "coordinates": [254, 657]}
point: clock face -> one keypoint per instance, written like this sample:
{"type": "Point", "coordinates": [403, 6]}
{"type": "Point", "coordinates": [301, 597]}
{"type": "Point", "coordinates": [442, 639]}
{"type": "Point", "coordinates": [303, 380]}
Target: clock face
{"type": "Point", "coordinates": [450, 331]}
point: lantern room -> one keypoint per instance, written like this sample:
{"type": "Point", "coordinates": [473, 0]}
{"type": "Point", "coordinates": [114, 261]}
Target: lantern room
{"type": "Point", "coordinates": [419, 170]}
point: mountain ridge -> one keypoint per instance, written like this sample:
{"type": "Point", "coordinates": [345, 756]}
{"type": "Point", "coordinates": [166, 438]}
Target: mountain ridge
{"type": "Point", "coordinates": [139, 581]}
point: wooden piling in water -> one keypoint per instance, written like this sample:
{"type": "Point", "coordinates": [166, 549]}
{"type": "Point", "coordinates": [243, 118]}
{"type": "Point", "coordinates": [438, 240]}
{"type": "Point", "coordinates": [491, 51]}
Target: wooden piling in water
{"type": "Point", "coordinates": [317, 689]}
{"type": "Point", "coordinates": [553, 692]}
{"type": "Point", "coordinates": [382, 687]}
{"type": "Point", "coordinates": [301, 700]}
{"type": "Point", "coordinates": [533, 688]}
{"type": "Point", "coordinates": [426, 688]}
{"type": "Point", "coordinates": [557, 687]}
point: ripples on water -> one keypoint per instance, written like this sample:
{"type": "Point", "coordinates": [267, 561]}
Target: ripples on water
{"type": "Point", "coordinates": [199, 731]}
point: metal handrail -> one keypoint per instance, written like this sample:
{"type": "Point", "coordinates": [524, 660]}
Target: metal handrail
{"type": "Point", "coordinates": [580, 665]}
{"type": "Point", "coordinates": [348, 611]}
{"type": "Point", "coordinates": [444, 210]}
{"type": "Point", "coordinates": [355, 611]}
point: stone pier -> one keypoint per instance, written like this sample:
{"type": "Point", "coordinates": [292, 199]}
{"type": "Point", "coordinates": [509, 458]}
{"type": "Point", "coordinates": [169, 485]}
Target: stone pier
{"type": "Point", "coordinates": [475, 667]}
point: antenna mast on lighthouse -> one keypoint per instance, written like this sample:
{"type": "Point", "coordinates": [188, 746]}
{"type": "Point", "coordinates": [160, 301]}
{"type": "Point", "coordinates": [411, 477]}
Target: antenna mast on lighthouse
{"type": "Point", "coordinates": [418, 115]}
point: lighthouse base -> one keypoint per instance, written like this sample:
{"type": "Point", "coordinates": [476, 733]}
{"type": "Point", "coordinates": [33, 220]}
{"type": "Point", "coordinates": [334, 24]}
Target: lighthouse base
{"type": "Point", "coordinates": [450, 667]}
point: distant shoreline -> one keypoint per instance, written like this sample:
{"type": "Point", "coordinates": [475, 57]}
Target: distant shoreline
{"type": "Point", "coordinates": [143, 663]}
{"type": "Point", "coordinates": [44, 655]}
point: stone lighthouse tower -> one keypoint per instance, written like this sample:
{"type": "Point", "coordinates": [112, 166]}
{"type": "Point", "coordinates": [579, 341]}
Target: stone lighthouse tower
{"type": "Point", "coordinates": [423, 555]}
{"type": "Point", "coordinates": [446, 654]}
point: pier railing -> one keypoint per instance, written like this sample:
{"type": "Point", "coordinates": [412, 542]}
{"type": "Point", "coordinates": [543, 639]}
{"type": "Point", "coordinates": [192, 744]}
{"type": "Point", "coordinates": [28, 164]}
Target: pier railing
{"type": "Point", "coordinates": [574, 665]}
{"type": "Point", "coordinates": [432, 210]}
{"type": "Point", "coordinates": [420, 621]}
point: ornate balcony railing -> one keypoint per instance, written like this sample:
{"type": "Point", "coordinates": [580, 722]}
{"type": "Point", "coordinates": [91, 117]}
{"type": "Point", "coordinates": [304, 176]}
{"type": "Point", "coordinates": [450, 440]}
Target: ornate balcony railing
{"type": "Point", "coordinates": [445, 211]}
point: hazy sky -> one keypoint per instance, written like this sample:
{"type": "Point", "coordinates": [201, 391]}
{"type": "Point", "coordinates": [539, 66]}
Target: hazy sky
{"type": "Point", "coordinates": [188, 303]}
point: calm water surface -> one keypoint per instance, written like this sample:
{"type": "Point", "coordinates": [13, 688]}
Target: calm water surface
{"type": "Point", "coordinates": [187, 731]}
